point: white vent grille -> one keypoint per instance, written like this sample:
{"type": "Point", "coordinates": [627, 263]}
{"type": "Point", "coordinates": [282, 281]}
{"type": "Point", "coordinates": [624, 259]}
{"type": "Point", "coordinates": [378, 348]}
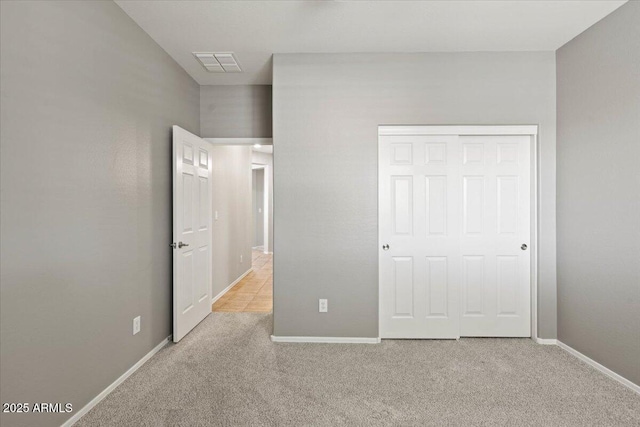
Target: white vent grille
{"type": "Point", "coordinates": [218, 62]}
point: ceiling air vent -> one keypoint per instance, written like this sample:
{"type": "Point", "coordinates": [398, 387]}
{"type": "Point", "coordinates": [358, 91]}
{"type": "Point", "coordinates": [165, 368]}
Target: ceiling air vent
{"type": "Point", "coordinates": [223, 62]}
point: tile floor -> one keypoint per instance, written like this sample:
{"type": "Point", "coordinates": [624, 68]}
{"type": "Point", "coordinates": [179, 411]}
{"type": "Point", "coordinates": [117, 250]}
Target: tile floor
{"type": "Point", "coordinates": [254, 293]}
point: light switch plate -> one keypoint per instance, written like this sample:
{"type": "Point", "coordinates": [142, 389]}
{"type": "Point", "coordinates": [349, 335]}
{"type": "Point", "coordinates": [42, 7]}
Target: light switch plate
{"type": "Point", "coordinates": [136, 325]}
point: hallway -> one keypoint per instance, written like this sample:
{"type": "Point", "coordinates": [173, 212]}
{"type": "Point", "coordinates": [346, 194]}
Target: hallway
{"type": "Point", "coordinates": [254, 293]}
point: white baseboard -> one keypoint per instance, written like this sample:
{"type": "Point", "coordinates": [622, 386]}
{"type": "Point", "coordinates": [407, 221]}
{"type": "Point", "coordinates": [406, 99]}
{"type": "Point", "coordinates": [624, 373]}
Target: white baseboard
{"type": "Point", "coordinates": [104, 393]}
{"type": "Point", "coordinates": [546, 341]}
{"type": "Point", "coordinates": [225, 290]}
{"type": "Point", "coordinates": [622, 380]}
{"type": "Point", "coordinates": [328, 340]}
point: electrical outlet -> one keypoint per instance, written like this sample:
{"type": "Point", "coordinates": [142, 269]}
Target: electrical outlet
{"type": "Point", "coordinates": [323, 306]}
{"type": "Point", "coordinates": [136, 325]}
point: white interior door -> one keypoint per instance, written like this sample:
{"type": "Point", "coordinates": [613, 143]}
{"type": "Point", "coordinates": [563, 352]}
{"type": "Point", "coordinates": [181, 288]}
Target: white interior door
{"type": "Point", "coordinates": [495, 222]}
{"type": "Point", "coordinates": [191, 231]}
{"type": "Point", "coordinates": [419, 272]}
{"type": "Point", "coordinates": [454, 212]}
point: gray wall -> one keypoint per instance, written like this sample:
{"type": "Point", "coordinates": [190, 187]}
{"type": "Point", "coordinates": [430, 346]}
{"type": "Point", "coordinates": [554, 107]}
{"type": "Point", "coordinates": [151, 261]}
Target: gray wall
{"type": "Point", "coordinates": [258, 207]}
{"type": "Point", "coordinates": [232, 231]}
{"type": "Point", "coordinates": [87, 105]}
{"type": "Point", "coordinates": [599, 192]}
{"type": "Point", "coordinates": [326, 110]}
{"type": "Point", "coordinates": [266, 159]}
{"type": "Point", "coordinates": [235, 111]}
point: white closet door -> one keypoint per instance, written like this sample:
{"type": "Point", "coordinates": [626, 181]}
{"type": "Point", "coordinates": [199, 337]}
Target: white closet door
{"type": "Point", "coordinates": [454, 212]}
{"type": "Point", "coordinates": [418, 201]}
{"type": "Point", "coordinates": [496, 271]}
{"type": "Point", "coordinates": [191, 231]}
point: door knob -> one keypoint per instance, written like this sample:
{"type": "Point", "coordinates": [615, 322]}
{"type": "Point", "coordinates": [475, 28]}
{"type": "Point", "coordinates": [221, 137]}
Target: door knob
{"type": "Point", "coordinates": [180, 244]}
{"type": "Point", "coordinates": [385, 247]}
{"type": "Point", "coordinates": [523, 247]}
{"type": "Point", "coordinates": [173, 245]}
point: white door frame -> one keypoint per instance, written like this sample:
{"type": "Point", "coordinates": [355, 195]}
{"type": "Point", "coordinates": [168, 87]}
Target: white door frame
{"type": "Point", "coordinates": [480, 130]}
{"type": "Point", "coordinates": [265, 204]}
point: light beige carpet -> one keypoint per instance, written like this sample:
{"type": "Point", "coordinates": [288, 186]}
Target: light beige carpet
{"type": "Point", "coordinates": [227, 372]}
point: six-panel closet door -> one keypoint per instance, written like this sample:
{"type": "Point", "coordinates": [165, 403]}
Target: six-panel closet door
{"type": "Point", "coordinates": [454, 231]}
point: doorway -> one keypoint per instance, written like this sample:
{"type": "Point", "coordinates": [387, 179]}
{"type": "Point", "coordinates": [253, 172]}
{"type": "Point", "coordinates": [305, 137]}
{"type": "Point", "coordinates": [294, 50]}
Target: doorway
{"type": "Point", "coordinates": [259, 207]}
{"type": "Point", "coordinates": [252, 291]}
{"type": "Point", "coordinates": [457, 234]}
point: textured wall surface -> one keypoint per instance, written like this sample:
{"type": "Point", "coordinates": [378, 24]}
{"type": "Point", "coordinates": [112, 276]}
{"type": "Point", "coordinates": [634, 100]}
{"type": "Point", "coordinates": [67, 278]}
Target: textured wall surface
{"type": "Point", "coordinates": [598, 84]}
{"type": "Point", "coordinates": [327, 108]}
{"type": "Point", "coordinates": [235, 111]}
{"type": "Point", "coordinates": [87, 105]}
{"type": "Point", "coordinates": [232, 231]}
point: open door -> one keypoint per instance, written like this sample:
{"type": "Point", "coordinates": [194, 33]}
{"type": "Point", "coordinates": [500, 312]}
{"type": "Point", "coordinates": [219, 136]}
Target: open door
{"type": "Point", "coordinates": [191, 231]}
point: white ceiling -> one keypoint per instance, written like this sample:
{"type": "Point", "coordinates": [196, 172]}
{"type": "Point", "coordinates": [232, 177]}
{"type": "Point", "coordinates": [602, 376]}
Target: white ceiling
{"type": "Point", "coordinates": [254, 30]}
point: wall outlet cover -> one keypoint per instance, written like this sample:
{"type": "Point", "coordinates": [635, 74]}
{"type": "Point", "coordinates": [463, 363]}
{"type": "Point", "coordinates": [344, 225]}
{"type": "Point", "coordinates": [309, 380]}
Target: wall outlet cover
{"type": "Point", "coordinates": [323, 305]}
